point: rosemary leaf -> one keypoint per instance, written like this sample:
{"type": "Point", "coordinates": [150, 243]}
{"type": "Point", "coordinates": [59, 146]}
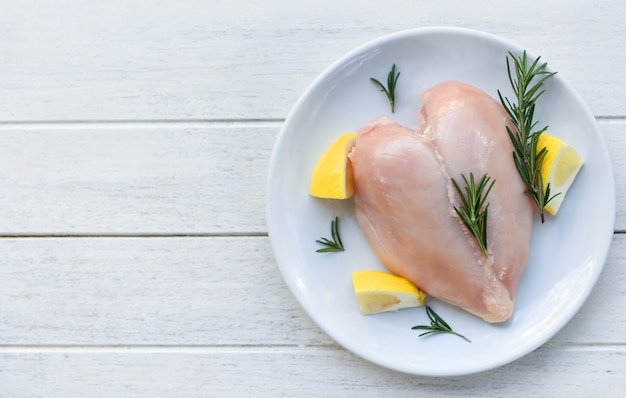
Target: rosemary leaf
{"type": "Point", "coordinates": [437, 325]}
{"type": "Point", "coordinates": [527, 81]}
{"type": "Point", "coordinates": [390, 90]}
{"type": "Point", "coordinates": [334, 245]}
{"type": "Point", "coordinates": [473, 211]}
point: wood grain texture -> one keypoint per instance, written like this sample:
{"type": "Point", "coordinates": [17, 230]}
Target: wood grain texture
{"type": "Point", "coordinates": [138, 179]}
{"type": "Point", "coordinates": [219, 59]}
{"type": "Point", "coordinates": [297, 372]}
{"type": "Point", "coordinates": [187, 291]}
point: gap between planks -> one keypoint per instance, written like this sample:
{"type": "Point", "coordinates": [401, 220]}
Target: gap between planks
{"type": "Point", "coordinates": [154, 235]}
{"type": "Point", "coordinates": [136, 235]}
{"type": "Point", "coordinates": [157, 123]}
{"type": "Point", "coordinates": [137, 123]}
{"type": "Point", "coordinates": [616, 348]}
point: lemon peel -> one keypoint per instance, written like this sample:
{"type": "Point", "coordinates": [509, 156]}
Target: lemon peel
{"type": "Point", "coordinates": [560, 167]}
{"type": "Point", "coordinates": [332, 176]}
{"type": "Point", "coordinates": [378, 291]}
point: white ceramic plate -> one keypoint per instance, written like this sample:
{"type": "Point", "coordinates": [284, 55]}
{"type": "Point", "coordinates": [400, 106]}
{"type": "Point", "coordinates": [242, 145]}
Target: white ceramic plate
{"type": "Point", "coordinates": [567, 252]}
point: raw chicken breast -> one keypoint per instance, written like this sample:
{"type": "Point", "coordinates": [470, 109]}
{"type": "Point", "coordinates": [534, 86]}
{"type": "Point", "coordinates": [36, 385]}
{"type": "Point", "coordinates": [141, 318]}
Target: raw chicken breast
{"type": "Point", "coordinates": [405, 200]}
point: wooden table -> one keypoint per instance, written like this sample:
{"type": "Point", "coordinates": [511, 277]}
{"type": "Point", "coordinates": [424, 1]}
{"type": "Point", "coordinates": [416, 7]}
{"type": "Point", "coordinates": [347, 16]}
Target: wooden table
{"type": "Point", "coordinates": [135, 139]}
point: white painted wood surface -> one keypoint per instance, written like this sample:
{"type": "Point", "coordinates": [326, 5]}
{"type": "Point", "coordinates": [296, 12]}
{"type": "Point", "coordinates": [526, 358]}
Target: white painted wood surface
{"type": "Point", "coordinates": [135, 138]}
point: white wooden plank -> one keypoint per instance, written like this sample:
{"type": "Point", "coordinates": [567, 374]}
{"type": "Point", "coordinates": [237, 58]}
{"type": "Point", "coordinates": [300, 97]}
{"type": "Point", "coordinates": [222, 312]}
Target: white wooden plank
{"type": "Point", "coordinates": [297, 372]}
{"type": "Point", "coordinates": [157, 178]}
{"type": "Point", "coordinates": [196, 291]}
{"type": "Point", "coordinates": [135, 180]}
{"type": "Point", "coordinates": [217, 291]}
{"type": "Point", "coordinates": [248, 59]}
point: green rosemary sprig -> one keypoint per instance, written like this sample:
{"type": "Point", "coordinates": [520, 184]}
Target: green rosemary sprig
{"type": "Point", "coordinates": [473, 211]}
{"type": "Point", "coordinates": [437, 325]}
{"type": "Point", "coordinates": [527, 82]}
{"type": "Point", "coordinates": [390, 90]}
{"type": "Point", "coordinates": [334, 245]}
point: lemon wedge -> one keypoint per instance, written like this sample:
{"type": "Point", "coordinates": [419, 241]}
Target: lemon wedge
{"type": "Point", "coordinates": [560, 167]}
{"type": "Point", "coordinates": [378, 291]}
{"type": "Point", "coordinates": [332, 176]}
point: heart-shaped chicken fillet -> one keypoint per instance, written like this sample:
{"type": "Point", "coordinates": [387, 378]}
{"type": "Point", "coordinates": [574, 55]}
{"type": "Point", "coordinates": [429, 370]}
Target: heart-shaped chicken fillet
{"type": "Point", "coordinates": [405, 200]}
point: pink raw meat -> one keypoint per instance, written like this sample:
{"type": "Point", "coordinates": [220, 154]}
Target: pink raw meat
{"type": "Point", "coordinates": [405, 200]}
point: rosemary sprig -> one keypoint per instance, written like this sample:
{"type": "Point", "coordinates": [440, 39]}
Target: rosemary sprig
{"type": "Point", "coordinates": [473, 211]}
{"type": "Point", "coordinates": [334, 245]}
{"type": "Point", "coordinates": [390, 90]}
{"type": "Point", "coordinates": [527, 83]}
{"type": "Point", "coordinates": [437, 325]}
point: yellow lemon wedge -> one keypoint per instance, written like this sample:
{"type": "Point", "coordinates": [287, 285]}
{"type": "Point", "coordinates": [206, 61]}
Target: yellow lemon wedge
{"type": "Point", "coordinates": [332, 176]}
{"type": "Point", "coordinates": [378, 291]}
{"type": "Point", "coordinates": [560, 167]}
